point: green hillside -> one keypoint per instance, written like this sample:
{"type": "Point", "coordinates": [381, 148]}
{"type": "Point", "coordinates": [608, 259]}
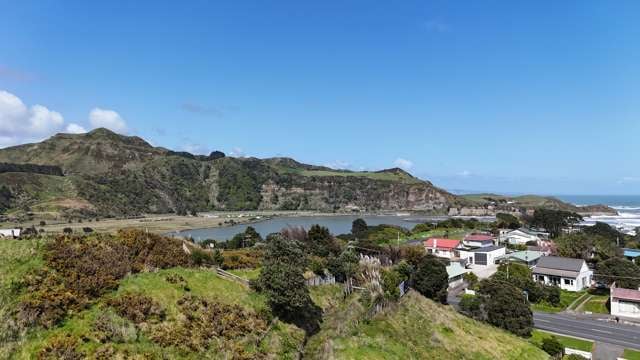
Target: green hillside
{"type": "Point", "coordinates": [191, 313]}
{"type": "Point", "coordinates": [107, 174]}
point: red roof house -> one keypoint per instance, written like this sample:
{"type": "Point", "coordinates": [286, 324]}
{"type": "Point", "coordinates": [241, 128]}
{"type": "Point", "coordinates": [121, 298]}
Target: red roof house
{"type": "Point", "coordinates": [441, 243]}
{"type": "Point", "coordinates": [478, 237]}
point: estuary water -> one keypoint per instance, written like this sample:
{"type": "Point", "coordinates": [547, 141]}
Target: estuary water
{"type": "Point", "coordinates": [338, 224]}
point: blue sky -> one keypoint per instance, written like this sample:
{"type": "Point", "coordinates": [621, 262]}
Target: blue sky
{"type": "Point", "coordinates": [503, 96]}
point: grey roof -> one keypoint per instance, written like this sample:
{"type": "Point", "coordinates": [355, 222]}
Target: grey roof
{"type": "Point", "coordinates": [555, 272]}
{"type": "Point", "coordinates": [487, 249]}
{"type": "Point", "coordinates": [560, 263]}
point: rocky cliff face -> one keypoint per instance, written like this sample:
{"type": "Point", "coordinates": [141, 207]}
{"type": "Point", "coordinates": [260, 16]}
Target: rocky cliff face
{"type": "Point", "coordinates": [120, 175]}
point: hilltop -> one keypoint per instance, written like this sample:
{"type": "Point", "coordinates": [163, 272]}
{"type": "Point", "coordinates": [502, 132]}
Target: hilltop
{"type": "Point", "coordinates": [532, 202]}
{"type": "Point", "coordinates": [107, 174]}
{"type": "Point", "coordinates": [104, 174]}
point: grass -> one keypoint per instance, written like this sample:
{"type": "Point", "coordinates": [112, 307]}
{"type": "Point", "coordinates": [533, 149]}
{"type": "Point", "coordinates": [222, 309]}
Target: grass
{"type": "Point", "coordinates": [566, 299]}
{"type": "Point", "coordinates": [282, 341]}
{"type": "Point", "coordinates": [415, 328]}
{"type": "Point", "coordinates": [596, 304]}
{"type": "Point", "coordinates": [566, 341]}
{"type": "Point", "coordinates": [386, 176]}
{"type": "Point", "coordinates": [249, 274]}
{"type": "Point", "coordinates": [631, 354]}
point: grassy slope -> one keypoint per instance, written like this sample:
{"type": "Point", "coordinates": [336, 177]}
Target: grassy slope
{"type": "Point", "coordinates": [566, 341]}
{"type": "Point", "coordinates": [417, 328]}
{"type": "Point", "coordinates": [566, 299]}
{"type": "Point", "coordinates": [631, 354]}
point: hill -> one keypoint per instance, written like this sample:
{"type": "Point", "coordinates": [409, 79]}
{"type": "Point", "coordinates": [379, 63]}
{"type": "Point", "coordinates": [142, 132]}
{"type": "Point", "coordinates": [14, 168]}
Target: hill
{"type": "Point", "coordinates": [107, 174]}
{"type": "Point", "coordinates": [192, 313]}
{"type": "Point", "coordinates": [532, 202]}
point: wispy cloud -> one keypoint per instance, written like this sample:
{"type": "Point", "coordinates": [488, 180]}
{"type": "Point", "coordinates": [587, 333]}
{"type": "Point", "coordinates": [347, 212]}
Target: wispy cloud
{"type": "Point", "coordinates": [237, 152]}
{"type": "Point", "coordinates": [403, 163]}
{"type": "Point", "coordinates": [629, 179]}
{"type": "Point", "coordinates": [339, 164]}
{"type": "Point", "coordinates": [465, 173]}
{"type": "Point", "coordinates": [12, 74]}
{"type": "Point", "coordinates": [436, 25]}
{"type": "Point", "coordinates": [200, 109]}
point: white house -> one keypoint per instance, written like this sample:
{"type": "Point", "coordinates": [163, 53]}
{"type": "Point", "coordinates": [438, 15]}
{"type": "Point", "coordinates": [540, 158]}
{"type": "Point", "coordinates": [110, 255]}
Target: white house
{"type": "Point", "coordinates": [478, 240]}
{"type": "Point", "coordinates": [518, 237]}
{"type": "Point", "coordinates": [446, 248]}
{"type": "Point", "coordinates": [10, 233]}
{"type": "Point", "coordinates": [567, 273]}
{"type": "Point", "coordinates": [625, 302]}
{"type": "Point", "coordinates": [486, 256]}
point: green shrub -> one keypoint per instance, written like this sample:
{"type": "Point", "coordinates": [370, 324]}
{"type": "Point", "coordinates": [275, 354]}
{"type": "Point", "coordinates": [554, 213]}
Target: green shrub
{"type": "Point", "coordinates": [61, 347]}
{"type": "Point", "coordinates": [138, 308]}
{"type": "Point", "coordinates": [552, 346]}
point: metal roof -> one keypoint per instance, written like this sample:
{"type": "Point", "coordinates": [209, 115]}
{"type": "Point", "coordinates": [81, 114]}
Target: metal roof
{"type": "Point", "coordinates": [487, 249]}
{"type": "Point", "coordinates": [560, 263]}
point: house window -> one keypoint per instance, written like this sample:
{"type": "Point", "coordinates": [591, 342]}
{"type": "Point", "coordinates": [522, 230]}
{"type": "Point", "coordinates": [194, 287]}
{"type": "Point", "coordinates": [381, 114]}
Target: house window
{"type": "Point", "coordinates": [568, 282]}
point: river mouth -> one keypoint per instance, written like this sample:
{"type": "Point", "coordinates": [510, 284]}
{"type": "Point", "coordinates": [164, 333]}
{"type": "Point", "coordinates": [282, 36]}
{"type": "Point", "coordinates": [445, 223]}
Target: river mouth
{"type": "Point", "coordinates": [337, 224]}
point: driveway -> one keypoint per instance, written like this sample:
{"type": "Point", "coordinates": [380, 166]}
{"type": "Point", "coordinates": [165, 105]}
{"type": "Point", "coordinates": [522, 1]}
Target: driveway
{"type": "Point", "coordinates": [483, 272]}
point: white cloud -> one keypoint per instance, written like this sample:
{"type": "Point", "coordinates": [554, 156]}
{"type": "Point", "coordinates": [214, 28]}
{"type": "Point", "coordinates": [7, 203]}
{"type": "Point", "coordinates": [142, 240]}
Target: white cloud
{"type": "Point", "coordinates": [73, 128]}
{"type": "Point", "coordinates": [339, 164]}
{"type": "Point", "coordinates": [465, 173]}
{"type": "Point", "coordinates": [196, 149]}
{"type": "Point", "coordinates": [107, 119]}
{"type": "Point", "coordinates": [629, 179]}
{"type": "Point", "coordinates": [403, 163]}
{"type": "Point", "coordinates": [20, 124]}
{"type": "Point", "coordinates": [237, 152]}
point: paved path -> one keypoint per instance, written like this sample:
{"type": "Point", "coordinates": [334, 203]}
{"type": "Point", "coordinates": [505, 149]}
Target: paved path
{"type": "Point", "coordinates": [627, 336]}
{"type": "Point", "coordinates": [604, 351]}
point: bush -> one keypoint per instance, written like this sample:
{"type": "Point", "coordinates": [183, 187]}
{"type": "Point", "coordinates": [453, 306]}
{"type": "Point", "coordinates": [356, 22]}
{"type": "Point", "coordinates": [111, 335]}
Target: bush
{"type": "Point", "coordinates": [137, 308]}
{"type": "Point", "coordinates": [201, 257]}
{"type": "Point", "coordinates": [471, 279]}
{"type": "Point", "coordinates": [431, 279]}
{"type": "Point", "coordinates": [552, 346]}
{"type": "Point", "coordinates": [241, 259]}
{"type": "Point", "coordinates": [390, 284]}
{"type": "Point", "coordinates": [61, 347]}
{"type": "Point", "coordinates": [551, 294]}
{"type": "Point", "coordinates": [109, 327]}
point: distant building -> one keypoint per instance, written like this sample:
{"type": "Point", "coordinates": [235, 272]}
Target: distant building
{"type": "Point", "coordinates": [632, 254]}
{"type": "Point", "coordinates": [10, 233]}
{"type": "Point", "coordinates": [518, 237]}
{"type": "Point", "coordinates": [625, 302]}
{"type": "Point", "coordinates": [527, 257]}
{"type": "Point", "coordinates": [478, 240]}
{"type": "Point", "coordinates": [485, 256]}
{"type": "Point", "coordinates": [456, 273]}
{"type": "Point", "coordinates": [446, 248]}
{"type": "Point", "coordinates": [567, 273]}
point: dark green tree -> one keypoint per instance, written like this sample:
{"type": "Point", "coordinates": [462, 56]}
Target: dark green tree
{"type": "Point", "coordinates": [506, 307]}
{"type": "Point", "coordinates": [504, 220]}
{"type": "Point", "coordinates": [359, 228]}
{"type": "Point", "coordinates": [583, 246]}
{"type": "Point", "coordinates": [320, 242]}
{"type": "Point", "coordinates": [552, 346]}
{"type": "Point", "coordinates": [282, 281]}
{"type": "Point", "coordinates": [431, 279]}
{"type": "Point", "coordinates": [554, 220]}
{"type": "Point", "coordinates": [623, 272]}
{"type": "Point", "coordinates": [343, 266]}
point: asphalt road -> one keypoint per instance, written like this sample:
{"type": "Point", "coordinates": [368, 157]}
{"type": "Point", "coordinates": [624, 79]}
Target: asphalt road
{"type": "Point", "coordinates": [597, 330]}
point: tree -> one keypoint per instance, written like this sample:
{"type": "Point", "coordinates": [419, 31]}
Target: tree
{"type": "Point", "coordinates": [623, 272]}
{"type": "Point", "coordinates": [87, 230]}
{"type": "Point", "coordinates": [320, 242]}
{"type": "Point", "coordinates": [431, 279]}
{"type": "Point", "coordinates": [506, 307]}
{"type": "Point", "coordinates": [552, 346]}
{"type": "Point", "coordinates": [67, 230]}
{"type": "Point", "coordinates": [344, 266]}
{"type": "Point", "coordinates": [504, 220]}
{"type": "Point", "coordinates": [359, 228]}
{"type": "Point", "coordinates": [390, 284]}
{"type": "Point", "coordinates": [554, 221]}
{"type": "Point", "coordinates": [471, 279]}
{"type": "Point", "coordinates": [606, 231]}
{"type": "Point", "coordinates": [583, 246]}
{"type": "Point", "coordinates": [218, 258]}
{"type": "Point", "coordinates": [282, 281]}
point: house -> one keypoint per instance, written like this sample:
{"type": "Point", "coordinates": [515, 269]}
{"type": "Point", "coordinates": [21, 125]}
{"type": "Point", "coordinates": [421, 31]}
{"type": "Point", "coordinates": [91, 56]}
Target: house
{"type": "Point", "coordinates": [632, 254]}
{"type": "Point", "coordinates": [625, 302]}
{"type": "Point", "coordinates": [10, 233]}
{"type": "Point", "coordinates": [567, 273]}
{"type": "Point", "coordinates": [478, 240]}
{"type": "Point", "coordinates": [456, 273]}
{"type": "Point", "coordinates": [486, 256]}
{"type": "Point", "coordinates": [446, 248]}
{"type": "Point", "coordinates": [527, 257]}
{"type": "Point", "coordinates": [518, 237]}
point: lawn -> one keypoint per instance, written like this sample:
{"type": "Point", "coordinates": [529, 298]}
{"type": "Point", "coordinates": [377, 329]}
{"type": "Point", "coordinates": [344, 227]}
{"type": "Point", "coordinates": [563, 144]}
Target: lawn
{"type": "Point", "coordinates": [566, 299]}
{"type": "Point", "coordinates": [249, 274]}
{"type": "Point", "coordinates": [454, 233]}
{"type": "Point", "coordinates": [566, 341]}
{"type": "Point", "coordinates": [631, 354]}
{"type": "Point", "coordinates": [596, 304]}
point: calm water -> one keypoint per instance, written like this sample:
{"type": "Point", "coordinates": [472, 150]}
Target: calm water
{"type": "Point", "coordinates": [336, 224]}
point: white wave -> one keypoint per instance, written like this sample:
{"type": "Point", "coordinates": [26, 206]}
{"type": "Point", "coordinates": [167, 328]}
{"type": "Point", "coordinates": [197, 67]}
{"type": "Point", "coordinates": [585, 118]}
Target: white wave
{"type": "Point", "coordinates": [625, 207]}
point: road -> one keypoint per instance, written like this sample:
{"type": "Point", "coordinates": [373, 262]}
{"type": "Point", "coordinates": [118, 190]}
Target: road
{"type": "Point", "coordinates": [598, 330]}
{"type": "Point", "coordinates": [580, 326]}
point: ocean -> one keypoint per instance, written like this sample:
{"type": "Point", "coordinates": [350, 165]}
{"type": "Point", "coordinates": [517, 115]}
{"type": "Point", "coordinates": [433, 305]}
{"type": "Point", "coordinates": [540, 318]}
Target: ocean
{"type": "Point", "coordinates": [627, 206]}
